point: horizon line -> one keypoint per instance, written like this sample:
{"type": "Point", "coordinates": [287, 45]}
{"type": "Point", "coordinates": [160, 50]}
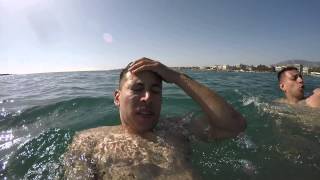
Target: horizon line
{"type": "Point", "coordinates": [92, 70]}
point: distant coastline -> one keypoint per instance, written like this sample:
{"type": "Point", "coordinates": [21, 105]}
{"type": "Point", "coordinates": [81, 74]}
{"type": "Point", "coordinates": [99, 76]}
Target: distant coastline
{"type": "Point", "coordinates": [304, 66]}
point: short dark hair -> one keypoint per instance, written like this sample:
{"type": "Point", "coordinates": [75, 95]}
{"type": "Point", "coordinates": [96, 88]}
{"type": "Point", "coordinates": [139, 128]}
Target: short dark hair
{"type": "Point", "coordinates": [289, 68]}
{"type": "Point", "coordinates": [125, 70]}
{"type": "Point", "coordinates": [122, 74]}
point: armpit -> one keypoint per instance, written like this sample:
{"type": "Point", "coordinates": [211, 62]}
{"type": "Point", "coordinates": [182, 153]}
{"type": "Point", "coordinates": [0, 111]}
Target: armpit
{"type": "Point", "coordinates": [202, 130]}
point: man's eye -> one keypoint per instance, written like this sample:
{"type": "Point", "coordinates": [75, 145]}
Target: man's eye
{"type": "Point", "coordinates": [156, 90]}
{"type": "Point", "coordinates": [297, 76]}
{"type": "Point", "coordinates": [294, 77]}
{"type": "Point", "coordinates": [137, 89]}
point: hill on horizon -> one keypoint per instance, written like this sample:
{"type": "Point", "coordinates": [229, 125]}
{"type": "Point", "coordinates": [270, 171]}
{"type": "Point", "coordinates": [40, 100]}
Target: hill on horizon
{"type": "Point", "coordinates": [300, 61]}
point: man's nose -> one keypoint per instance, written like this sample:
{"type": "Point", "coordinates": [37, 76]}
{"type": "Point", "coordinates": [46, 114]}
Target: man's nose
{"type": "Point", "coordinates": [300, 79]}
{"type": "Point", "coordinates": [146, 96]}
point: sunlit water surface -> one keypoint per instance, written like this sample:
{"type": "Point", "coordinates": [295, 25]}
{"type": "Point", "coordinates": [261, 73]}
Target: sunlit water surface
{"type": "Point", "coordinates": [40, 113]}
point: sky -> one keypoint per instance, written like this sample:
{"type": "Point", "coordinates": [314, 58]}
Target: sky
{"type": "Point", "coordinates": [73, 35]}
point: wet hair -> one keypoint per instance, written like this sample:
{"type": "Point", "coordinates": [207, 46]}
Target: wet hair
{"type": "Point", "coordinates": [124, 71]}
{"type": "Point", "coordinates": [289, 68]}
{"type": "Point", "coordinates": [122, 74]}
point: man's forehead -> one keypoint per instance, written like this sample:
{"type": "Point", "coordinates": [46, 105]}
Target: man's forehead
{"type": "Point", "coordinates": [292, 72]}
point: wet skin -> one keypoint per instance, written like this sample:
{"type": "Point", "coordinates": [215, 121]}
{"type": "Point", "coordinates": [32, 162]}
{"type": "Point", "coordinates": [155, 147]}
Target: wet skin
{"type": "Point", "coordinates": [137, 149]}
{"type": "Point", "coordinates": [139, 101]}
{"type": "Point", "coordinates": [292, 85]}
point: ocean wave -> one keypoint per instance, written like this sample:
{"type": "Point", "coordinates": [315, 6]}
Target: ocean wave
{"type": "Point", "coordinates": [40, 157]}
{"type": "Point", "coordinates": [52, 112]}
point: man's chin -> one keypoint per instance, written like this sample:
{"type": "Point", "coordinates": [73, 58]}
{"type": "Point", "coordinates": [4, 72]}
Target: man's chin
{"type": "Point", "coordinates": [145, 123]}
{"type": "Point", "coordinates": [300, 96]}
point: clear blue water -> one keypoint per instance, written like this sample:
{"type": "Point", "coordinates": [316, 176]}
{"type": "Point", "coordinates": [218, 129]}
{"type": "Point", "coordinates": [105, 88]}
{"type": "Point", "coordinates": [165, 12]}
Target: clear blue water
{"type": "Point", "coordinates": [39, 114]}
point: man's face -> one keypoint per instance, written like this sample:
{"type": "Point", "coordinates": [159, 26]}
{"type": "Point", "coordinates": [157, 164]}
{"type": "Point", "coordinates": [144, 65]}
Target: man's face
{"type": "Point", "coordinates": [292, 84]}
{"type": "Point", "coordinates": [139, 101]}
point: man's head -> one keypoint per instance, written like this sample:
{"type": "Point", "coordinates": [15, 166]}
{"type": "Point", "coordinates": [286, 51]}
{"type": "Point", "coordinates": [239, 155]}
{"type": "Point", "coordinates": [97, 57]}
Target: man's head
{"type": "Point", "coordinates": [139, 100]}
{"type": "Point", "coordinates": [123, 72]}
{"type": "Point", "coordinates": [291, 83]}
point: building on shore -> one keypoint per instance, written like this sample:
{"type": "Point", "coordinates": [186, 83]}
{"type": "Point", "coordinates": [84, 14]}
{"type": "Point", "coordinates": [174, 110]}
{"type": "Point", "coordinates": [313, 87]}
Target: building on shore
{"type": "Point", "coordinates": [223, 67]}
{"type": "Point", "coordinates": [279, 68]}
{"type": "Point", "coordinates": [298, 66]}
{"type": "Point", "coordinates": [305, 70]}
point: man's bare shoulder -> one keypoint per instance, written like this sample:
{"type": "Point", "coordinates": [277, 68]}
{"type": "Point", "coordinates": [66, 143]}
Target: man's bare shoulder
{"type": "Point", "coordinates": [314, 99]}
{"type": "Point", "coordinates": [280, 100]}
{"type": "Point", "coordinates": [285, 101]}
{"type": "Point", "coordinates": [98, 131]}
{"type": "Point", "coordinates": [78, 158]}
{"type": "Point", "coordinates": [89, 137]}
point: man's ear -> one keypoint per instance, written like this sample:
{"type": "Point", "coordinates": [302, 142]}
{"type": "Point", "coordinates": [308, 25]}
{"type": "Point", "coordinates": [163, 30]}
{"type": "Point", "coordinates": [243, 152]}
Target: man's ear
{"type": "Point", "coordinates": [116, 97]}
{"type": "Point", "coordinates": [281, 86]}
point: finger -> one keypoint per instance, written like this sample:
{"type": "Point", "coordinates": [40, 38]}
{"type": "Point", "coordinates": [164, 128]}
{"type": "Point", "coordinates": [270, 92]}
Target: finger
{"type": "Point", "coordinates": [148, 67]}
{"type": "Point", "coordinates": [136, 64]}
{"type": "Point", "coordinates": [144, 67]}
{"type": "Point", "coordinates": [144, 59]}
{"type": "Point", "coordinates": [316, 91]}
{"type": "Point", "coordinates": [141, 63]}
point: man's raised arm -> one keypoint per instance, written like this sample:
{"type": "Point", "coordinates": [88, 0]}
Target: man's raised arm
{"type": "Point", "coordinates": [224, 120]}
{"type": "Point", "coordinates": [314, 99]}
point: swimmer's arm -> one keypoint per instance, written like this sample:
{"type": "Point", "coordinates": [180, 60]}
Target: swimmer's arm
{"type": "Point", "coordinates": [314, 99]}
{"type": "Point", "coordinates": [224, 120]}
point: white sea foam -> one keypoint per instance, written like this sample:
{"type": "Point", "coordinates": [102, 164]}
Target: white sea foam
{"type": "Point", "coordinates": [248, 167]}
{"type": "Point", "coordinates": [245, 142]}
{"type": "Point", "coordinates": [249, 100]}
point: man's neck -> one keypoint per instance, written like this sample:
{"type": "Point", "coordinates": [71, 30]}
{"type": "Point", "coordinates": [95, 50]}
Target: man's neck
{"type": "Point", "coordinates": [293, 100]}
{"type": "Point", "coordinates": [128, 130]}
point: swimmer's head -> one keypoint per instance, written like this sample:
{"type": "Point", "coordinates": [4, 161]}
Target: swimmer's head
{"type": "Point", "coordinates": [281, 73]}
{"type": "Point", "coordinates": [291, 83]}
{"type": "Point", "coordinates": [139, 99]}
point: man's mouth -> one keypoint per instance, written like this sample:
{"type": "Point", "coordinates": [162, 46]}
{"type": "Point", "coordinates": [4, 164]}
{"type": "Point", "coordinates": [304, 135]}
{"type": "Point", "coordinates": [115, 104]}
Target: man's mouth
{"type": "Point", "coordinates": [145, 112]}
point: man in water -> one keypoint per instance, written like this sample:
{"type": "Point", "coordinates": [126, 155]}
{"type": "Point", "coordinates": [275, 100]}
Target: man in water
{"type": "Point", "coordinates": [291, 83]}
{"type": "Point", "coordinates": [138, 149]}
{"type": "Point", "coordinates": [297, 126]}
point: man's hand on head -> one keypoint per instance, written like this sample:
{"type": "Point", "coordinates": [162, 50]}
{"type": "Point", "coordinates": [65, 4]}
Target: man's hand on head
{"type": "Point", "coordinates": [146, 64]}
{"type": "Point", "coordinates": [316, 91]}
{"type": "Point", "coordinates": [222, 117]}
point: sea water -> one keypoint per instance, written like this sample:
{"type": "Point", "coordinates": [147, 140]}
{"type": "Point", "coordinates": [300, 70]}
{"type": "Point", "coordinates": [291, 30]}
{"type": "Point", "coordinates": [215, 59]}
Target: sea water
{"type": "Point", "coordinates": [40, 113]}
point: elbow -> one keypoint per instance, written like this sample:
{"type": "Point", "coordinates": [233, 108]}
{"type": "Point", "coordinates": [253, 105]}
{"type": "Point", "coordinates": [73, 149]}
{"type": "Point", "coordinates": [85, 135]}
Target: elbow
{"type": "Point", "coordinates": [240, 126]}
{"type": "Point", "coordinates": [237, 129]}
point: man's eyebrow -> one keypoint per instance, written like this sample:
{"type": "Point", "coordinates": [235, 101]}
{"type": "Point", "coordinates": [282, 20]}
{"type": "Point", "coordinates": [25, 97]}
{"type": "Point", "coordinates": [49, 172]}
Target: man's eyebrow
{"type": "Point", "coordinates": [137, 83]}
{"type": "Point", "coordinates": [292, 73]}
{"type": "Point", "coordinates": [157, 84]}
